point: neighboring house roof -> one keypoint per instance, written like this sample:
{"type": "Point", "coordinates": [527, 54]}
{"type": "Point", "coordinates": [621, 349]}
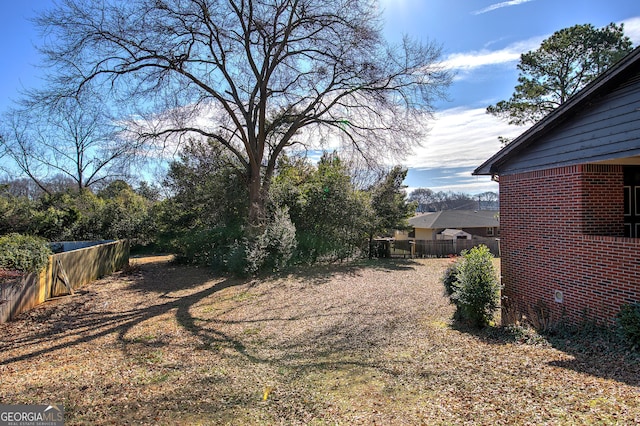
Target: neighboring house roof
{"type": "Point", "coordinates": [582, 128]}
{"type": "Point", "coordinates": [448, 219]}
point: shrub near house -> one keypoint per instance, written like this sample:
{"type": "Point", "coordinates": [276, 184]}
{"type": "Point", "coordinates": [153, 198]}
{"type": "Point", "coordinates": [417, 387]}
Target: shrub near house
{"type": "Point", "coordinates": [570, 205]}
{"type": "Point", "coordinates": [472, 285]}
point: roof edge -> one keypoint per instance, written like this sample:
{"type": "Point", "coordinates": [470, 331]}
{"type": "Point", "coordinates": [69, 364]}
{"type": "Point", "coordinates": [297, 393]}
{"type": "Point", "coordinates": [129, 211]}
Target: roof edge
{"type": "Point", "coordinates": [489, 167]}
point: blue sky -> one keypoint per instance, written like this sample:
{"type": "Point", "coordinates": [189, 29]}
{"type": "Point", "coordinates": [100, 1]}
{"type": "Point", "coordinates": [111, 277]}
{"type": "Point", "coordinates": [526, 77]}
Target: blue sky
{"type": "Point", "coordinates": [481, 41]}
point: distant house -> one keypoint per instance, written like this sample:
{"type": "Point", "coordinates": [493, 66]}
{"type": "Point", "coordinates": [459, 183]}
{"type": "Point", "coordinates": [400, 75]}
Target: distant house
{"type": "Point", "coordinates": [454, 234]}
{"type": "Point", "coordinates": [570, 204]}
{"type": "Point", "coordinates": [445, 223]}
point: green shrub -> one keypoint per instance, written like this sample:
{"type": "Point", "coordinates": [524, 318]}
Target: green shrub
{"type": "Point", "coordinates": [274, 248]}
{"type": "Point", "coordinates": [235, 261]}
{"type": "Point", "coordinates": [628, 320]}
{"type": "Point", "coordinates": [228, 249]}
{"type": "Point", "coordinates": [23, 253]}
{"type": "Point", "coordinates": [477, 290]}
{"type": "Point", "coordinates": [450, 278]}
{"type": "Point", "coordinates": [203, 246]}
{"type": "Point", "coordinates": [322, 247]}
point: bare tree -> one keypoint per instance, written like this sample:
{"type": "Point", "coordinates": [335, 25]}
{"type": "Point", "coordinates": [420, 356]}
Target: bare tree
{"type": "Point", "coordinates": [21, 187]}
{"type": "Point", "coordinates": [488, 201]}
{"type": "Point", "coordinates": [258, 76]}
{"type": "Point", "coordinates": [67, 139]}
{"type": "Point", "coordinates": [430, 201]}
{"type": "Point", "coordinates": [423, 197]}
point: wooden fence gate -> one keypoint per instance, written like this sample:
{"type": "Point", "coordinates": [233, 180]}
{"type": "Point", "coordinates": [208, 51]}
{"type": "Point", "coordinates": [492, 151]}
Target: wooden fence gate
{"type": "Point", "coordinates": [64, 273]}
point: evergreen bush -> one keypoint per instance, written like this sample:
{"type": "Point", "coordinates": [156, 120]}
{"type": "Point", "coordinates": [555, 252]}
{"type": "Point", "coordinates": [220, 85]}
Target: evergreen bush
{"type": "Point", "coordinates": [206, 246]}
{"type": "Point", "coordinates": [450, 278]}
{"type": "Point", "coordinates": [228, 249]}
{"type": "Point", "coordinates": [476, 291]}
{"type": "Point", "coordinates": [23, 253]}
{"type": "Point", "coordinates": [628, 320]}
{"type": "Point", "coordinates": [274, 248]}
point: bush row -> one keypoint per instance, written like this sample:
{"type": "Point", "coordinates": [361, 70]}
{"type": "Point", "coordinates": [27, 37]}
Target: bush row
{"type": "Point", "coordinates": [23, 253]}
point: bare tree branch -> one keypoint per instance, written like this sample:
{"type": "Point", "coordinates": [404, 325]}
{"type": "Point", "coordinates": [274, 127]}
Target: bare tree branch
{"type": "Point", "coordinates": [67, 138]}
{"type": "Point", "coordinates": [270, 68]}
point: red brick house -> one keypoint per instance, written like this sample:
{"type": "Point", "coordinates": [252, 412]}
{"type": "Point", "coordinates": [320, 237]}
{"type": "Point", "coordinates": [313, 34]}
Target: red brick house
{"type": "Point", "coordinates": [570, 204]}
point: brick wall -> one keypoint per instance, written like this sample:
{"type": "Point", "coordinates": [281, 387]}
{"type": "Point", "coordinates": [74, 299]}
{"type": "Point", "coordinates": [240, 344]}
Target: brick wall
{"type": "Point", "coordinates": [561, 232]}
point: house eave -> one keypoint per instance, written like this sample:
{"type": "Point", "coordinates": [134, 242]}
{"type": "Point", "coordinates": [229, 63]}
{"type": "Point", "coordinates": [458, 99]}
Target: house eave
{"type": "Point", "coordinates": [493, 165]}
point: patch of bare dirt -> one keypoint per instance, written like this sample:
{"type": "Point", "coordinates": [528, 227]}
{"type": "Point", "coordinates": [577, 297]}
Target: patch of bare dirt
{"type": "Point", "coordinates": [371, 343]}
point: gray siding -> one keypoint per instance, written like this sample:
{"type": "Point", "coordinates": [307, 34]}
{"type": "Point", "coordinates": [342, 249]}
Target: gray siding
{"type": "Point", "coordinates": [607, 129]}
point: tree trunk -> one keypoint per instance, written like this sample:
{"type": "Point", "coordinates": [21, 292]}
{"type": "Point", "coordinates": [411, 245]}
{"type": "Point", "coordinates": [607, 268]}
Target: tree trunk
{"type": "Point", "coordinates": [256, 201]}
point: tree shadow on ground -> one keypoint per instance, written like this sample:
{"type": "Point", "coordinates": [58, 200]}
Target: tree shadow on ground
{"type": "Point", "coordinates": [595, 351]}
{"type": "Point", "coordinates": [324, 272]}
{"type": "Point", "coordinates": [75, 321]}
{"type": "Point", "coordinates": [347, 344]}
{"type": "Point", "coordinates": [178, 291]}
{"type": "Point", "coordinates": [69, 323]}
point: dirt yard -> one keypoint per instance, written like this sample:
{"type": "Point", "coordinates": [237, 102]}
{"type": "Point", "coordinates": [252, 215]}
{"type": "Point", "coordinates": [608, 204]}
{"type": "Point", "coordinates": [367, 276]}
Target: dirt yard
{"type": "Point", "coordinates": [369, 344]}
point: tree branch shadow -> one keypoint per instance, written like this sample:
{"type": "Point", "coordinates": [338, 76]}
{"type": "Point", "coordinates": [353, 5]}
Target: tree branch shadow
{"type": "Point", "coordinates": [70, 324]}
{"type": "Point", "coordinates": [594, 351]}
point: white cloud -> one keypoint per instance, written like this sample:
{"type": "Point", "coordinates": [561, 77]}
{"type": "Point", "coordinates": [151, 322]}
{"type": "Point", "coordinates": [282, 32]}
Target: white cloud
{"type": "Point", "coordinates": [467, 61]}
{"type": "Point", "coordinates": [499, 6]}
{"type": "Point", "coordinates": [632, 29]}
{"type": "Point", "coordinates": [470, 60]}
{"type": "Point", "coordinates": [461, 137]}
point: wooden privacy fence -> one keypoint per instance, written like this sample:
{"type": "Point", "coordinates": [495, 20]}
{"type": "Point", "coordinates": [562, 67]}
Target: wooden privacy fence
{"type": "Point", "coordinates": [439, 248]}
{"type": "Point", "coordinates": [64, 273]}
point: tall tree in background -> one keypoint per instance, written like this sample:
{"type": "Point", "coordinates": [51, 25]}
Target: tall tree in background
{"type": "Point", "coordinates": [389, 204]}
{"type": "Point", "coordinates": [488, 200]}
{"type": "Point", "coordinates": [72, 140]}
{"type": "Point", "coordinates": [423, 197]}
{"type": "Point", "coordinates": [429, 201]}
{"type": "Point", "coordinates": [564, 63]}
{"type": "Point", "coordinates": [250, 74]}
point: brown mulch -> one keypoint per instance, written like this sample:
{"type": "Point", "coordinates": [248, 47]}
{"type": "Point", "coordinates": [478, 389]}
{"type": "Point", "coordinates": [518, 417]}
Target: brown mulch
{"type": "Point", "coordinates": [370, 343]}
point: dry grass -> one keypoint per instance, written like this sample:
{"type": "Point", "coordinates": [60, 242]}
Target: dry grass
{"type": "Point", "coordinates": [359, 344]}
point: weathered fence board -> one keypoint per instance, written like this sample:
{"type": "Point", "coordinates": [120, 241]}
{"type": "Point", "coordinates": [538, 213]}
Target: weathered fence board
{"type": "Point", "coordinates": [78, 266]}
{"type": "Point", "coordinates": [87, 264]}
{"type": "Point", "coordinates": [440, 248]}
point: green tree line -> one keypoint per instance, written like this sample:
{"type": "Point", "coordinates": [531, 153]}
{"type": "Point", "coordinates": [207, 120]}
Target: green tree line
{"type": "Point", "coordinates": [315, 212]}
